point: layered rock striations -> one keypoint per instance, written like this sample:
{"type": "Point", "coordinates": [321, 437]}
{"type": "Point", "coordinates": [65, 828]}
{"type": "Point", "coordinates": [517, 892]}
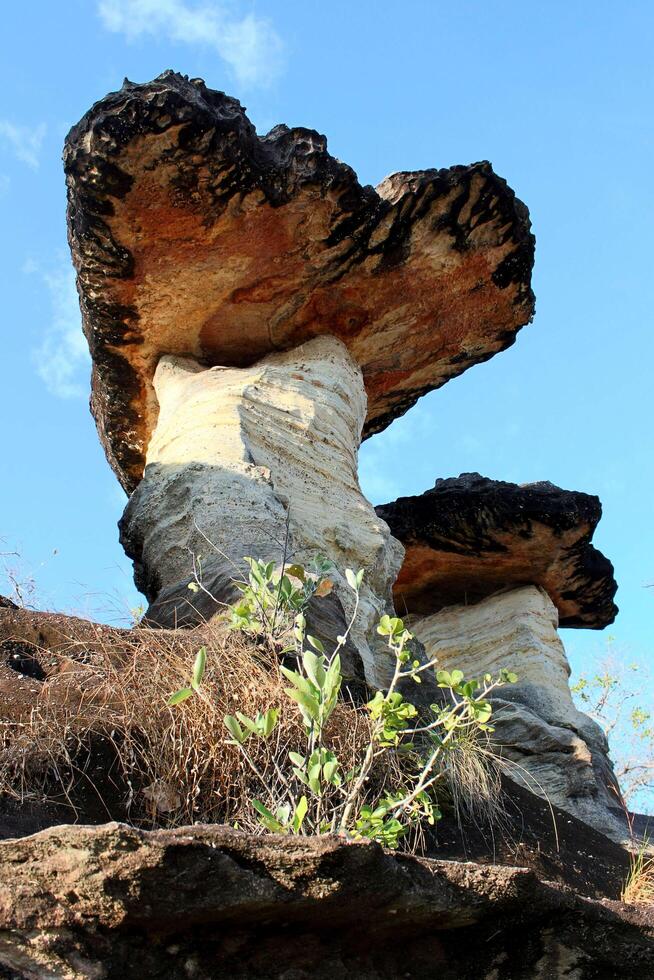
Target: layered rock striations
{"type": "Point", "coordinates": [470, 536]}
{"type": "Point", "coordinates": [259, 461]}
{"type": "Point", "coordinates": [548, 745]}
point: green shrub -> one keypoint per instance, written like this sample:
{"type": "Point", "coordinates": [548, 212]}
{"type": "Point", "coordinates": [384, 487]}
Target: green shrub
{"type": "Point", "coordinates": [391, 788]}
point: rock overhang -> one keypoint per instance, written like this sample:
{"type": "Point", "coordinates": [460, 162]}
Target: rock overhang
{"type": "Point", "coordinates": [469, 537]}
{"type": "Point", "coordinates": [193, 236]}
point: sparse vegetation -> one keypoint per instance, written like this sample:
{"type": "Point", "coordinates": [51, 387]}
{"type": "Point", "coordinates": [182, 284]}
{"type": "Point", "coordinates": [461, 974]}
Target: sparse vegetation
{"type": "Point", "coordinates": [639, 887]}
{"type": "Point", "coordinates": [253, 720]}
{"type": "Point", "coordinates": [618, 697]}
{"type": "Point", "coordinates": [311, 791]}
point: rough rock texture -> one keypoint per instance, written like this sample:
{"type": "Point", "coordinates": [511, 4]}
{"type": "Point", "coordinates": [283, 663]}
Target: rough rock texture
{"type": "Point", "coordinates": [554, 749]}
{"type": "Point", "coordinates": [193, 236]}
{"type": "Point", "coordinates": [470, 536]}
{"type": "Point", "coordinates": [237, 451]}
{"type": "Point", "coordinates": [205, 902]}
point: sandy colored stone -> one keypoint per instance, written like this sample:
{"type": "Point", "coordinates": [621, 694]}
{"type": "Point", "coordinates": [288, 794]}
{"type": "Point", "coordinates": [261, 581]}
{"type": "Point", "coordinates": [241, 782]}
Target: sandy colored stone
{"type": "Point", "coordinates": [552, 748]}
{"type": "Point", "coordinates": [236, 452]}
{"type": "Point", "coordinates": [194, 236]}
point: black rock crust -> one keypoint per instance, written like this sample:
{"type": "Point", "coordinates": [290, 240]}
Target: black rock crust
{"type": "Point", "coordinates": [487, 521]}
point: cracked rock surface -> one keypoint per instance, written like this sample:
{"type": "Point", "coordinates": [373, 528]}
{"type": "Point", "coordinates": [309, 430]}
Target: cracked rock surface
{"type": "Point", "coordinates": [206, 902]}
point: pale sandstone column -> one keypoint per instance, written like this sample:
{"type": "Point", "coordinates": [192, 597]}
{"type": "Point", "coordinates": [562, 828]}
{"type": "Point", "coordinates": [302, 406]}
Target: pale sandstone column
{"type": "Point", "coordinates": [238, 451]}
{"type": "Point", "coordinates": [552, 748]}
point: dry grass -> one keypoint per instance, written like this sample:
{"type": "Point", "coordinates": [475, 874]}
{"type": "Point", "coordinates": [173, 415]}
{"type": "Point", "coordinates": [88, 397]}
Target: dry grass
{"type": "Point", "coordinates": [99, 738]}
{"type": "Point", "coordinates": [639, 887]}
{"type": "Point", "coordinates": [103, 730]}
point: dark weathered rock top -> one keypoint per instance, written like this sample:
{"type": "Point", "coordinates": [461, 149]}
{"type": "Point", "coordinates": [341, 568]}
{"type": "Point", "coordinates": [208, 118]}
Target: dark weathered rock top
{"type": "Point", "coordinates": [470, 536]}
{"type": "Point", "coordinates": [192, 235]}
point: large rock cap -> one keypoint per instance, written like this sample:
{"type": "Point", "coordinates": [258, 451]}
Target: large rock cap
{"type": "Point", "coordinates": [470, 536]}
{"type": "Point", "coordinates": [192, 235]}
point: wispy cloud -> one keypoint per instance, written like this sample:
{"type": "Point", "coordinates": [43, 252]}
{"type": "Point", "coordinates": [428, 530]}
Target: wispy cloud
{"type": "Point", "coordinates": [62, 358]}
{"type": "Point", "coordinates": [249, 45]}
{"type": "Point", "coordinates": [25, 141]}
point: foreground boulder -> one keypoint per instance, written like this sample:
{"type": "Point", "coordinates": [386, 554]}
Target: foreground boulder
{"type": "Point", "coordinates": [470, 536]}
{"type": "Point", "coordinates": [205, 902]}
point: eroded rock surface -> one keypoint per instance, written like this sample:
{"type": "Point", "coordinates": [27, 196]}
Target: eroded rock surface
{"type": "Point", "coordinates": [552, 748]}
{"type": "Point", "coordinates": [238, 452]}
{"type": "Point", "coordinates": [470, 536]}
{"type": "Point", "coordinates": [204, 902]}
{"type": "Point", "coordinates": [193, 236]}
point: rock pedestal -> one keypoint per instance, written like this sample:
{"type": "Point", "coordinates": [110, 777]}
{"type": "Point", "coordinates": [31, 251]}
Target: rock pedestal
{"type": "Point", "coordinates": [236, 454]}
{"type": "Point", "coordinates": [550, 747]}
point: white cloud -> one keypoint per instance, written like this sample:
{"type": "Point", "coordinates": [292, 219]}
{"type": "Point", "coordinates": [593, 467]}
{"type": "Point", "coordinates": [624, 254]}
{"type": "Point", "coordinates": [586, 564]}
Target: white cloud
{"type": "Point", "coordinates": [25, 141]}
{"type": "Point", "coordinates": [249, 45]}
{"type": "Point", "coordinates": [62, 358]}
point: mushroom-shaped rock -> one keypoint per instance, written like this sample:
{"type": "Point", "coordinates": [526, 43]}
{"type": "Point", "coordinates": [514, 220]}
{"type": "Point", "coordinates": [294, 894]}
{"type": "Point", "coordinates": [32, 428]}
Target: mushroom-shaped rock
{"type": "Point", "coordinates": [469, 537]}
{"type": "Point", "coordinates": [251, 311]}
{"type": "Point", "coordinates": [193, 236]}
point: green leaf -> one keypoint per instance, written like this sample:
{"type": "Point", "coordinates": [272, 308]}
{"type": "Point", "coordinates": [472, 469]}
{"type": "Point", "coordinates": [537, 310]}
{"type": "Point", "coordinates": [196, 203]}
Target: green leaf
{"type": "Point", "coordinates": [307, 702]}
{"type": "Point", "coordinates": [179, 696]}
{"type": "Point", "coordinates": [316, 643]}
{"type": "Point", "coordinates": [267, 819]}
{"type": "Point", "coordinates": [297, 759]}
{"type": "Point", "coordinates": [351, 579]}
{"type": "Point", "coordinates": [300, 813]}
{"type": "Point", "coordinates": [269, 721]}
{"type": "Point", "coordinates": [313, 665]}
{"type": "Point", "coordinates": [360, 577]}
{"type": "Point", "coordinates": [329, 770]}
{"type": "Point", "coordinates": [300, 682]}
{"type": "Point", "coordinates": [456, 677]}
{"type": "Point", "coordinates": [199, 666]}
{"type": "Point", "coordinates": [384, 627]}
{"type": "Point", "coordinates": [314, 778]}
{"type": "Point", "coordinates": [234, 729]}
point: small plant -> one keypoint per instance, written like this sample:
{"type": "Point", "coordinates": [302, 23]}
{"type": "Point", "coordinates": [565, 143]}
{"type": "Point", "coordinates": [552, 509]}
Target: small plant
{"type": "Point", "coordinates": [390, 789]}
{"type": "Point", "coordinates": [639, 886]}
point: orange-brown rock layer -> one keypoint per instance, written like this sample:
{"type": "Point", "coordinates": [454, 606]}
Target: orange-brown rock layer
{"type": "Point", "coordinates": [191, 235]}
{"type": "Point", "coordinates": [469, 537]}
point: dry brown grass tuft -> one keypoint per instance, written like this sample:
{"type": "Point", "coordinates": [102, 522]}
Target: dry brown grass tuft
{"type": "Point", "coordinates": [102, 731]}
{"type": "Point", "coordinates": [639, 887]}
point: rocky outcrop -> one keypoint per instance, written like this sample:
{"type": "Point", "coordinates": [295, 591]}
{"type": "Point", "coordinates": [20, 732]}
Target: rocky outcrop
{"type": "Point", "coordinates": [193, 236]}
{"type": "Point", "coordinates": [111, 902]}
{"type": "Point", "coordinates": [470, 536]}
{"type": "Point", "coordinates": [550, 747]}
{"type": "Point", "coordinates": [240, 458]}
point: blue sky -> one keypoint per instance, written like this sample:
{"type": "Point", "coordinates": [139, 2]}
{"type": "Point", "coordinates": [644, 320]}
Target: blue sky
{"type": "Point", "coordinates": [557, 95]}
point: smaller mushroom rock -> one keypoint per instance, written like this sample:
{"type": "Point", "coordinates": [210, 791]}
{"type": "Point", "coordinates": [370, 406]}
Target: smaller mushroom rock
{"type": "Point", "coordinates": [239, 452]}
{"type": "Point", "coordinates": [552, 748]}
{"type": "Point", "coordinates": [195, 237]}
{"type": "Point", "coordinates": [469, 537]}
